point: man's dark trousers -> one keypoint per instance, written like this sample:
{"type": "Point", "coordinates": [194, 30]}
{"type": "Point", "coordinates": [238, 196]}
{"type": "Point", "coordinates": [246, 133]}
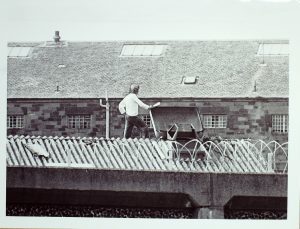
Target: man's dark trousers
{"type": "Point", "coordinates": [132, 121]}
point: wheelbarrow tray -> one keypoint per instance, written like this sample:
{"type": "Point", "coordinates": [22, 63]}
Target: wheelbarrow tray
{"type": "Point", "coordinates": [186, 119]}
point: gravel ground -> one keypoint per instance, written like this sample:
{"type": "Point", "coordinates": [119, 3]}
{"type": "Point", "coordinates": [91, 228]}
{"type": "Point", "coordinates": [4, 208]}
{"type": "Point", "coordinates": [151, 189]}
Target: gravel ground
{"type": "Point", "coordinates": [255, 214]}
{"type": "Point", "coordinates": [94, 211]}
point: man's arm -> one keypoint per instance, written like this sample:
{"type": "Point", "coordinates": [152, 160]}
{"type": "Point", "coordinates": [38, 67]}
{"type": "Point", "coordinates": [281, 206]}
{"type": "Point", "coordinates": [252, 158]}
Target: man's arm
{"type": "Point", "coordinates": [122, 107]}
{"type": "Point", "coordinates": [141, 104]}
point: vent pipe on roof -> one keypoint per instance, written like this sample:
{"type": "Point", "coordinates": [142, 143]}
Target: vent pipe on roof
{"type": "Point", "coordinates": [254, 87]}
{"type": "Point", "coordinates": [263, 55]}
{"type": "Point", "coordinates": [56, 37]}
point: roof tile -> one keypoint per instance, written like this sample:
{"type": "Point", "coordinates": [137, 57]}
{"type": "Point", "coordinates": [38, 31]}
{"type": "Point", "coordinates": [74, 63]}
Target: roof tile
{"type": "Point", "coordinates": [223, 68]}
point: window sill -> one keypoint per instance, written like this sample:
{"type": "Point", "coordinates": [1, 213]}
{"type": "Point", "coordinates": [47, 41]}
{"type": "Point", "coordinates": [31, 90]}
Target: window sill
{"type": "Point", "coordinates": [11, 128]}
{"type": "Point", "coordinates": [280, 133]}
{"type": "Point", "coordinates": [214, 128]}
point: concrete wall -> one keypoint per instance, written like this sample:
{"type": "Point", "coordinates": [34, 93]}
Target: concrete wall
{"type": "Point", "coordinates": [97, 198]}
{"type": "Point", "coordinates": [246, 117]}
{"type": "Point", "coordinates": [208, 192]}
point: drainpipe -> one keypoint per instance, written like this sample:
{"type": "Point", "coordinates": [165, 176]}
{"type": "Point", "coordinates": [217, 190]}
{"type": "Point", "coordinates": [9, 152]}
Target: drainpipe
{"type": "Point", "coordinates": [106, 105]}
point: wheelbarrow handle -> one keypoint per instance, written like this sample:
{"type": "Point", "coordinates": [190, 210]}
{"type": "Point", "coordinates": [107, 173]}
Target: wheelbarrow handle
{"type": "Point", "coordinates": [155, 105]}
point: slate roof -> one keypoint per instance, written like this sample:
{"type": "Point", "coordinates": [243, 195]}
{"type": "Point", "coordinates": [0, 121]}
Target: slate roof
{"type": "Point", "coordinates": [224, 69]}
{"type": "Point", "coordinates": [130, 154]}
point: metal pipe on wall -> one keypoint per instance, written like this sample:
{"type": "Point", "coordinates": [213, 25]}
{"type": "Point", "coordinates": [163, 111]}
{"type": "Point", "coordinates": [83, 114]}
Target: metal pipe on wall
{"type": "Point", "coordinates": [106, 105]}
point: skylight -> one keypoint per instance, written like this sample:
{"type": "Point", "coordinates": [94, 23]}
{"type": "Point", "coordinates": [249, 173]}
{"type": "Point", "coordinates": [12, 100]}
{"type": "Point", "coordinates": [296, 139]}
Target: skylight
{"type": "Point", "coordinates": [18, 51]}
{"type": "Point", "coordinates": [189, 80]}
{"type": "Point", "coordinates": [273, 49]}
{"type": "Point", "coordinates": [142, 50]}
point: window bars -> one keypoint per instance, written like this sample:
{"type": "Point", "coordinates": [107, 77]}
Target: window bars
{"type": "Point", "coordinates": [280, 123]}
{"type": "Point", "coordinates": [15, 121]}
{"type": "Point", "coordinates": [147, 120]}
{"type": "Point", "coordinates": [79, 121]}
{"type": "Point", "coordinates": [215, 121]}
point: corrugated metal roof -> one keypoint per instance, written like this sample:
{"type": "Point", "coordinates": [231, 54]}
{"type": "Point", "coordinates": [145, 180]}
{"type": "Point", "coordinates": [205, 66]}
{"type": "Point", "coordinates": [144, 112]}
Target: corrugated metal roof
{"type": "Point", "coordinates": [134, 154]}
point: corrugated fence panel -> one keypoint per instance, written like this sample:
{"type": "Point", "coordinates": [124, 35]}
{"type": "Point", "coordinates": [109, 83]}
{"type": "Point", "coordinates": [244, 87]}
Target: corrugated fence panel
{"type": "Point", "coordinates": [11, 154]}
{"type": "Point", "coordinates": [134, 154]}
{"type": "Point", "coordinates": [120, 150]}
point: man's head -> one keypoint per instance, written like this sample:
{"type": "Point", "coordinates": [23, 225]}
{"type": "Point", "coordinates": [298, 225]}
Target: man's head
{"type": "Point", "coordinates": [134, 88]}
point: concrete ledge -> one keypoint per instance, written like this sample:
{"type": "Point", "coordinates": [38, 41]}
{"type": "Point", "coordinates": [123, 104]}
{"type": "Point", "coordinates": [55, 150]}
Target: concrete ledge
{"type": "Point", "coordinates": [195, 185]}
{"type": "Point", "coordinates": [225, 186]}
{"type": "Point", "coordinates": [202, 189]}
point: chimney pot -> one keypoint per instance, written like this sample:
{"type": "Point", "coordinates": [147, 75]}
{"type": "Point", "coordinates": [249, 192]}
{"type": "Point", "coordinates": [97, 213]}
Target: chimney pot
{"type": "Point", "coordinates": [56, 37]}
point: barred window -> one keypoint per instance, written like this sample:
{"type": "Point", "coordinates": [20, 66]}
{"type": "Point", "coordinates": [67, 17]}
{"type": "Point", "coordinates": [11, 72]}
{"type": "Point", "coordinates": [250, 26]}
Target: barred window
{"type": "Point", "coordinates": [215, 121]}
{"type": "Point", "coordinates": [280, 123]}
{"type": "Point", "coordinates": [147, 120]}
{"type": "Point", "coordinates": [15, 121]}
{"type": "Point", "coordinates": [79, 121]}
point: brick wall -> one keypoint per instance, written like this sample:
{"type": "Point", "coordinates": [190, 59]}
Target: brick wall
{"type": "Point", "coordinates": [50, 117]}
{"type": "Point", "coordinates": [246, 118]}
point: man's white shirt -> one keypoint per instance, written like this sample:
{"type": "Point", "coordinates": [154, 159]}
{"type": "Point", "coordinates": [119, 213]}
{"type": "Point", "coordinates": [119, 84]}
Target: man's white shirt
{"type": "Point", "coordinates": [130, 104]}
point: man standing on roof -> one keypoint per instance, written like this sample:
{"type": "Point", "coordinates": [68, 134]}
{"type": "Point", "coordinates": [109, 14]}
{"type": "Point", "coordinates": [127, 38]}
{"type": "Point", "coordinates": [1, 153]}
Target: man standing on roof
{"type": "Point", "coordinates": [130, 107]}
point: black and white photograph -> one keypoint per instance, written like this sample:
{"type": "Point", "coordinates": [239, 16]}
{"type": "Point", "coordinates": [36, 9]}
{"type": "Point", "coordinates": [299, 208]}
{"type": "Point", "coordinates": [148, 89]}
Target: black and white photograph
{"type": "Point", "coordinates": [202, 130]}
{"type": "Point", "coordinates": [190, 128]}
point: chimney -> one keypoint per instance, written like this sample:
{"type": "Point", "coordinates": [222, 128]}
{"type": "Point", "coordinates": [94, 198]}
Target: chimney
{"type": "Point", "coordinates": [56, 37]}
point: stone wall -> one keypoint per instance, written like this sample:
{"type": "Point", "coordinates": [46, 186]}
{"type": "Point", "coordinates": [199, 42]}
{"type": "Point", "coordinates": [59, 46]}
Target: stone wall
{"type": "Point", "coordinates": [45, 117]}
{"type": "Point", "coordinates": [247, 118]}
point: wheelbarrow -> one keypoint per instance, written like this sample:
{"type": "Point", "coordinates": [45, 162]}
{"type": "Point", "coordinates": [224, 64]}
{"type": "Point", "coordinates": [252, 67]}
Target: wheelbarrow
{"type": "Point", "coordinates": [176, 123]}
